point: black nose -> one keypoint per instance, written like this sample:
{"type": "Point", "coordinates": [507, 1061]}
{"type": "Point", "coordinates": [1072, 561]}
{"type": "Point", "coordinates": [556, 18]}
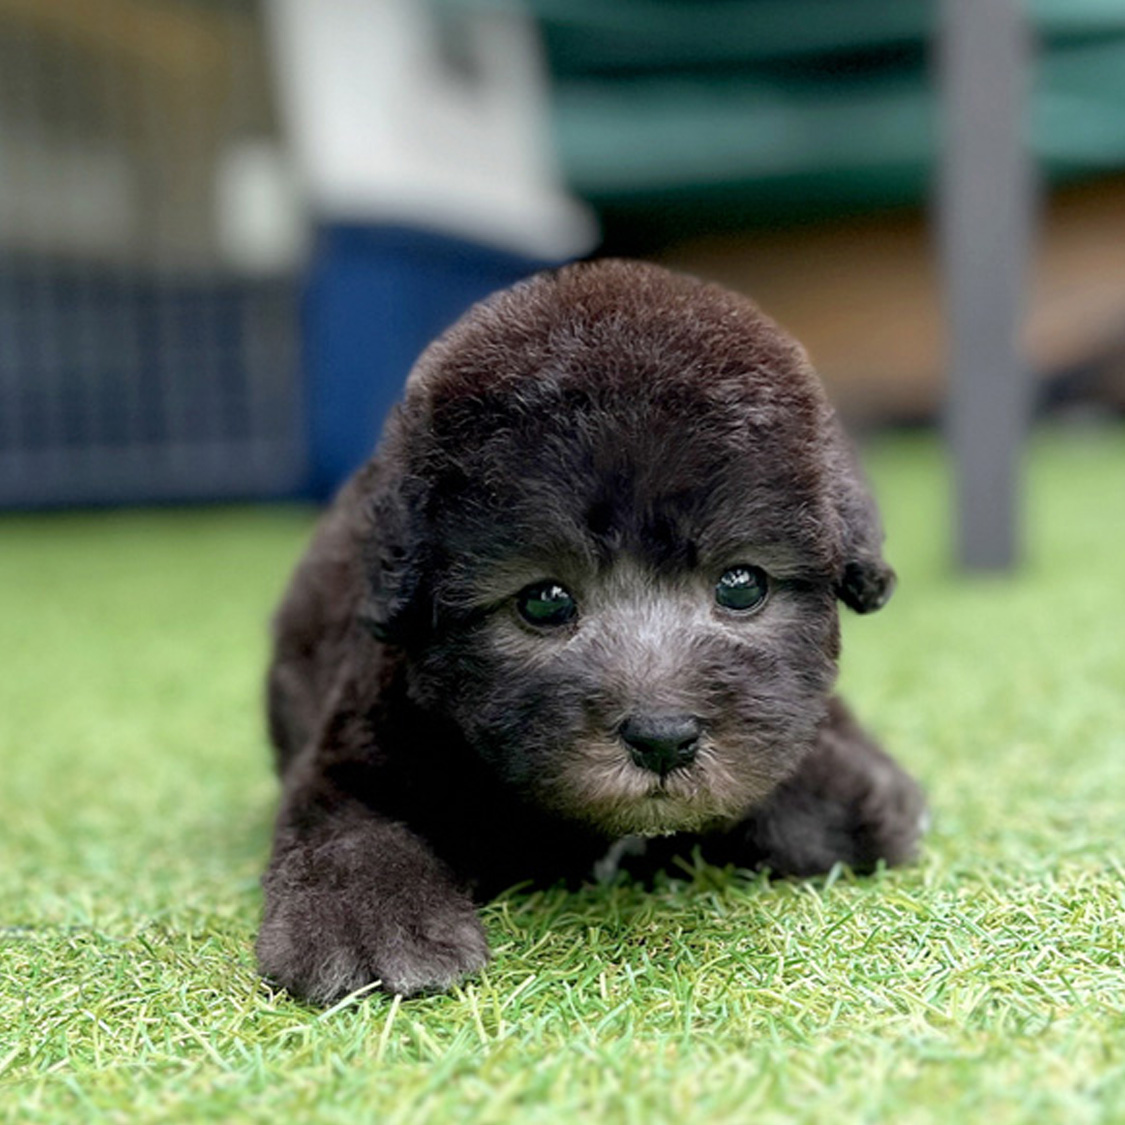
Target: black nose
{"type": "Point", "coordinates": [661, 743]}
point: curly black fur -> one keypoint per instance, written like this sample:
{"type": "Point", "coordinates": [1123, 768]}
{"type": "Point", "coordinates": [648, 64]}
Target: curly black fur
{"type": "Point", "coordinates": [632, 435]}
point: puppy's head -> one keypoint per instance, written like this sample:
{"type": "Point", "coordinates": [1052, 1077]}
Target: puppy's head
{"type": "Point", "coordinates": [609, 527]}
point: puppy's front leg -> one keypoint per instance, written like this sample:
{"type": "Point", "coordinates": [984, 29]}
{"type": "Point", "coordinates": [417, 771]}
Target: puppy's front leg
{"type": "Point", "coordinates": [352, 897]}
{"type": "Point", "coordinates": [849, 802]}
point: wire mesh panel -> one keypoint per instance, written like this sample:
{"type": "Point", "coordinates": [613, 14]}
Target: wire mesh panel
{"type": "Point", "coordinates": [148, 343]}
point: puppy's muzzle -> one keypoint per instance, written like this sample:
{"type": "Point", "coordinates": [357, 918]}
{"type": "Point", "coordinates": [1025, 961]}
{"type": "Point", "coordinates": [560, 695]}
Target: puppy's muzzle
{"type": "Point", "coordinates": [661, 743]}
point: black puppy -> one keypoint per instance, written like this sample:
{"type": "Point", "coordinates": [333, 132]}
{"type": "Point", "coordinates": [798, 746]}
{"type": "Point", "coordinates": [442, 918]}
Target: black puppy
{"type": "Point", "coordinates": [584, 592]}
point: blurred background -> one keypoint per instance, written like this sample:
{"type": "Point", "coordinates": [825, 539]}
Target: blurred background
{"type": "Point", "coordinates": [227, 227]}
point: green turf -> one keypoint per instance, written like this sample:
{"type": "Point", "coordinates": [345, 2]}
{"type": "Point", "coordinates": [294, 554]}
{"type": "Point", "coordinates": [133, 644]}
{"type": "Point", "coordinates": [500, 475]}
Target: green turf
{"type": "Point", "coordinates": [985, 984]}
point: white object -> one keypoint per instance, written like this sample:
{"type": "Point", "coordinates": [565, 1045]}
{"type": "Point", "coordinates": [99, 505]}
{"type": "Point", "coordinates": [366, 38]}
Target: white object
{"type": "Point", "coordinates": [403, 112]}
{"type": "Point", "coordinates": [261, 223]}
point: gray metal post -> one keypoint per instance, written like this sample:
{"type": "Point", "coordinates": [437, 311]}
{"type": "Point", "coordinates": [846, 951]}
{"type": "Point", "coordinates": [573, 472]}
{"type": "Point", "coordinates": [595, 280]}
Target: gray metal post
{"type": "Point", "coordinates": [986, 207]}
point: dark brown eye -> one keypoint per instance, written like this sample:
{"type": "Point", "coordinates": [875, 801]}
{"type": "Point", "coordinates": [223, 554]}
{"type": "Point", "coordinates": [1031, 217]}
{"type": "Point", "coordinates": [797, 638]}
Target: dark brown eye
{"type": "Point", "coordinates": [547, 604]}
{"type": "Point", "coordinates": [742, 588]}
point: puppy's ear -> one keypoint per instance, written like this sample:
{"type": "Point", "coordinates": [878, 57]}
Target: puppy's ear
{"type": "Point", "coordinates": [394, 605]}
{"type": "Point", "coordinates": [865, 582]}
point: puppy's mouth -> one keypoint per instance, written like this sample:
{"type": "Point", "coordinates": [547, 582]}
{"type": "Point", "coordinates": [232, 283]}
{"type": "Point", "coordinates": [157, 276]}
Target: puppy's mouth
{"type": "Point", "coordinates": [659, 813]}
{"type": "Point", "coordinates": [674, 803]}
{"type": "Point", "coordinates": [604, 786]}
{"type": "Point", "coordinates": [661, 793]}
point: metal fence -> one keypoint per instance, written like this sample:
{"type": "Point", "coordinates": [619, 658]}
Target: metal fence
{"type": "Point", "coordinates": [148, 256]}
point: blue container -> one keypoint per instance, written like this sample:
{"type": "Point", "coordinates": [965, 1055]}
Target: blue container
{"type": "Point", "coordinates": [377, 295]}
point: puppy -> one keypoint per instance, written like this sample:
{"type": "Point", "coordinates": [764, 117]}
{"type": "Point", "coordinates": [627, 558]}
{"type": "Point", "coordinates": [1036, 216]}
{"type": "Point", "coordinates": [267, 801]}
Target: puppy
{"type": "Point", "coordinates": [586, 591]}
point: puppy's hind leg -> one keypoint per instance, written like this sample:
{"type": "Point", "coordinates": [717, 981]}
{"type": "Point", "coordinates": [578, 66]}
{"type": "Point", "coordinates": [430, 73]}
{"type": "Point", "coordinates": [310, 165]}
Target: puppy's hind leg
{"type": "Point", "coordinates": [849, 802]}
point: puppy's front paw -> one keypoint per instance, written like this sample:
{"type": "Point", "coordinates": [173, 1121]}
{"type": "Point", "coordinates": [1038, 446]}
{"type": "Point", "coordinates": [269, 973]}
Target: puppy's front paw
{"type": "Point", "coordinates": [343, 915]}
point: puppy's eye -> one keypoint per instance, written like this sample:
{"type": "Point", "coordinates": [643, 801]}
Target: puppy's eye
{"type": "Point", "coordinates": [742, 588]}
{"type": "Point", "coordinates": [547, 603]}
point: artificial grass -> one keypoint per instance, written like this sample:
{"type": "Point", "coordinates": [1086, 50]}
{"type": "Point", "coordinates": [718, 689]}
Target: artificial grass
{"type": "Point", "coordinates": [987, 982]}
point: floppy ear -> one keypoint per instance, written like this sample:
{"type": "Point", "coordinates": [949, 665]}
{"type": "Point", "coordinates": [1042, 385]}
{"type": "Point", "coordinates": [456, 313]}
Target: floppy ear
{"type": "Point", "coordinates": [395, 556]}
{"type": "Point", "coordinates": [865, 582]}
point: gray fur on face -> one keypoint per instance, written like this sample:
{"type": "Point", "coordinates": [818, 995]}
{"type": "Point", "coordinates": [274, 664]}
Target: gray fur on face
{"type": "Point", "coordinates": [650, 644]}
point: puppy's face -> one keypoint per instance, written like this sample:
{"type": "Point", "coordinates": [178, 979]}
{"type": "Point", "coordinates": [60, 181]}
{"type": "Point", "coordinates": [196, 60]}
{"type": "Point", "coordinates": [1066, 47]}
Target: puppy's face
{"type": "Point", "coordinates": [620, 544]}
{"type": "Point", "coordinates": [638, 700]}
